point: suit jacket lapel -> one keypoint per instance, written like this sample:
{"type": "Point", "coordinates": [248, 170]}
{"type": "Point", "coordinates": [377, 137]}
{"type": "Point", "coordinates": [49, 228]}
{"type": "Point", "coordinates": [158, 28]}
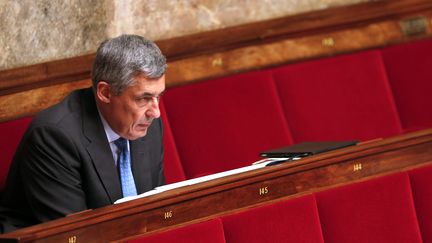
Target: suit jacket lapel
{"type": "Point", "coordinates": [141, 165]}
{"type": "Point", "coordinates": [99, 149]}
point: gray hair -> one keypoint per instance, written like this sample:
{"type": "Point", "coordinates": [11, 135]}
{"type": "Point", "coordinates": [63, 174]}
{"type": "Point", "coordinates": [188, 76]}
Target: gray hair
{"type": "Point", "coordinates": [120, 59]}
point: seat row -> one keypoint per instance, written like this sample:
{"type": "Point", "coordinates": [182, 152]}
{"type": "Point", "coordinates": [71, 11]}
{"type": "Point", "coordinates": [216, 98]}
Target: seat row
{"type": "Point", "coordinates": [390, 208]}
{"type": "Point", "coordinates": [224, 123]}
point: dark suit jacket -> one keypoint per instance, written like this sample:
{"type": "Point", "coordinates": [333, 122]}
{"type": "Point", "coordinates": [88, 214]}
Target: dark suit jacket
{"type": "Point", "coordinates": [64, 164]}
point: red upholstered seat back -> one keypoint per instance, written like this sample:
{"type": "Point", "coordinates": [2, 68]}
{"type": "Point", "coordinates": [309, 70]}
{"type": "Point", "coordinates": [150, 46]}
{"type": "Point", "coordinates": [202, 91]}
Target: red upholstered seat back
{"type": "Point", "coordinates": [409, 68]}
{"type": "Point", "coordinates": [376, 210]}
{"type": "Point", "coordinates": [223, 124]}
{"type": "Point", "coordinates": [11, 134]}
{"type": "Point", "coordinates": [173, 168]}
{"type": "Point", "coordinates": [207, 232]}
{"type": "Point", "coordinates": [421, 182]}
{"type": "Point", "coordinates": [295, 220]}
{"type": "Point", "coordinates": [343, 97]}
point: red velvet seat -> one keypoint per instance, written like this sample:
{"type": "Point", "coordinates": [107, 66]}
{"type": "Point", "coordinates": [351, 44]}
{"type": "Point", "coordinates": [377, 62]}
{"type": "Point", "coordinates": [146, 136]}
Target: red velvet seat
{"type": "Point", "coordinates": [11, 134]}
{"type": "Point", "coordinates": [173, 169]}
{"type": "Point", "coordinates": [207, 232]}
{"type": "Point", "coordinates": [339, 98]}
{"type": "Point", "coordinates": [294, 220]}
{"type": "Point", "coordinates": [225, 123]}
{"type": "Point", "coordinates": [375, 210]}
{"type": "Point", "coordinates": [421, 181]}
{"type": "Point", "coordinates": [409, 68]}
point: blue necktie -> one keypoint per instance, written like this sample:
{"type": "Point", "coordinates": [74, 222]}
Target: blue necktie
{"type": "Point", "coordinates": [124, 164]}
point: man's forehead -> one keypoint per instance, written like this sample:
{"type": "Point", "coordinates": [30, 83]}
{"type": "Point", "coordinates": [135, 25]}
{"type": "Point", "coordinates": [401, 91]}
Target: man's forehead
{"type": "Point", "coordinates": [149, 86]}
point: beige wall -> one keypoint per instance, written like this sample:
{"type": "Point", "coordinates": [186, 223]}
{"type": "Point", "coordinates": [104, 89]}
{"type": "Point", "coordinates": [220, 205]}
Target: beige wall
{"type": "Point", "coordinates": [46, 30]}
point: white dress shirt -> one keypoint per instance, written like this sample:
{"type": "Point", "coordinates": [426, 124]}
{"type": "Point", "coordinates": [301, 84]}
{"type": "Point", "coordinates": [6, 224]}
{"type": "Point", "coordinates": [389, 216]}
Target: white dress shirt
{"type": "Point", "coordinates": [112, 136]}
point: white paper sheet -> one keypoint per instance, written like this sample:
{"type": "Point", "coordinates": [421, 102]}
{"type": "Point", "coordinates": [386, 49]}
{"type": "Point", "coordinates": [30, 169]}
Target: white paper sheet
{"type": "Point", "coordinates": [256, 165]}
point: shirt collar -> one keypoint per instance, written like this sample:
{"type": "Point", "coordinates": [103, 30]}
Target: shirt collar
{"type": "Point", "coordinates": [111, 135]}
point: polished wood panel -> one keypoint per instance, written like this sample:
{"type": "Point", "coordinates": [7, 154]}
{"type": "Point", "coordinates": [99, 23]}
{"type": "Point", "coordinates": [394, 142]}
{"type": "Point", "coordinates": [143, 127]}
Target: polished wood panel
{"type": "Point", "coordinates": [238, 192]}
{"type": "Point", "coordinates": [30, 102]}
{"type": "Point", "coordinates": [231, 50]}
{"type": "Point", "coordinates": [45, 74]}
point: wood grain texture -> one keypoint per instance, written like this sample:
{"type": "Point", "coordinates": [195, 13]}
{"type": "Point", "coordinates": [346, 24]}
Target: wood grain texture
{"type": "Point", "coordinates": [29, 102]}
{"type": "Point", "coordinates": [46, 74]}
{"type": "Point", "coordinates": [239, 192]}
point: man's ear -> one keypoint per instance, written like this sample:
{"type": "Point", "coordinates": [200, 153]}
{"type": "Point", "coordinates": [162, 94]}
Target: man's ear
{"type": "Point", "coordinates": [103, 92]}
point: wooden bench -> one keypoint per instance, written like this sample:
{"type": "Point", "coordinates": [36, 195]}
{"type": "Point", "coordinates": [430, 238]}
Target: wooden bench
{"type": "Point", "coordinates": [231, 96]}
{"type": "Point", "coordinates": [369, 177]}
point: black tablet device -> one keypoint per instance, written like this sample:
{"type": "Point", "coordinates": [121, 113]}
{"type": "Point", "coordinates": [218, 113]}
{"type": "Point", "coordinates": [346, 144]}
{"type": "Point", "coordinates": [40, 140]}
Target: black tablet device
{"type": "Point", "coordinates": [306, 148]}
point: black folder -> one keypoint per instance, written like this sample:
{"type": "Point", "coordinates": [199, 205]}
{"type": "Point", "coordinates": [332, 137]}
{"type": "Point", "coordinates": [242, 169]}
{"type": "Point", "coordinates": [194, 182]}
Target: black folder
{"type": "Point", "coordinates": [306, 149]}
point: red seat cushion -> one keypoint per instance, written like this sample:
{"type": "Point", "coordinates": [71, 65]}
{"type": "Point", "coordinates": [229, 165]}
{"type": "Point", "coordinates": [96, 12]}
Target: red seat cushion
{"type": "Point", "coordinates": [409, 68]}
{"type": "Point", "coordinates": [207, 232]}
{"type": "Point", "coordinates": [11, 134]}
{"type": "Point", "coordinates": [173, 169]}
{"type": "Point", "coordinates": [375, 210]}
{"type": "Point", "coordinates": [294, 220]}
{"type": "Point", "coordinates": [421, 181]}
{"type": "Point", "coordinates": [225, 123]}
{"type": "Point", "coordinates": [340, 98]}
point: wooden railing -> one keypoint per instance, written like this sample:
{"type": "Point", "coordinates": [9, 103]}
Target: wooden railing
{"type": "Point", "coordinates": [202, 201]}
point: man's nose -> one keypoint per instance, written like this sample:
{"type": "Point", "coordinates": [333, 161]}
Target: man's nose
{"type": "Point", "coordinates": [154, 110]}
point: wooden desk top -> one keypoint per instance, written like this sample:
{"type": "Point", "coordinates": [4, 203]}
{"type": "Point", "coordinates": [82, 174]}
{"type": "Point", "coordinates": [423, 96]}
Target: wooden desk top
{"type": "Point", "coordinates": [202, 201]}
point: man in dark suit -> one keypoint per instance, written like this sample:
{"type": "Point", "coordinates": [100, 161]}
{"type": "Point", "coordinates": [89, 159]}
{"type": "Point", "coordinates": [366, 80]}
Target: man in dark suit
{"type": "Point", "coordinates": [69, 159]}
